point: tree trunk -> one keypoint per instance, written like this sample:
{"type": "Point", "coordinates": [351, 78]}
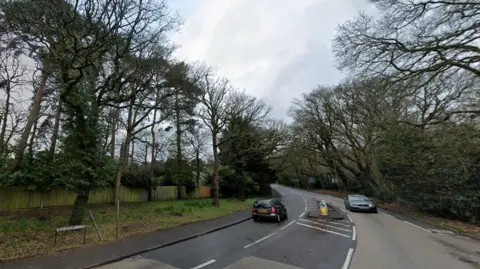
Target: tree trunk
{"type": "Point", "coordinates": [178, 173]}
{"type": "Point", "coordinates": [79, 208]}
{"type": "Point", "coordinates": [197, 159]}
{"type": "Point", "coordinates": [32, 141]}
{"type": "Point", "coordinates": [132, 153]}
{"type": "Point", "coordinates": [32, 117]}
{"type": "Point", "coordinates": [56, 127]}
{"type": "Point", "coordinates": [121, 163]}
{"type": "Point", "coordinates": [3, 144]}
{"type": "Point", "coordinates": [216, 170]}
{"type": "Point", "coordinates": [152, 156]}
{"type": "Point", "coordinates": [115, 115]}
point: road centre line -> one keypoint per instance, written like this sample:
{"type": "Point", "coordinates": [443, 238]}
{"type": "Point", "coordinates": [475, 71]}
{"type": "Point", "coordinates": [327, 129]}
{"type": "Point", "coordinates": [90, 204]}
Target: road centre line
{"type": "Point", "coordinates": [204, 264]}
{"type": "Point", "coordinates": [414, 225]}
{"type": "Point", "coordinates": [287, 225]}
{"type": "Point", "coordinates": [354, 233]}
{"type": "Point", "coordinates": [346, 264]}
{"type": "Point", "coordinates": [341, 229]}
{"type": "Point", "coordinates": [301, 215]}
{"type": "Point", "coordinates": [258, 241]}
{"type": "Point", "coordinates": [324, 230]}
{"type": "Point", "coordinates": [349, 218]}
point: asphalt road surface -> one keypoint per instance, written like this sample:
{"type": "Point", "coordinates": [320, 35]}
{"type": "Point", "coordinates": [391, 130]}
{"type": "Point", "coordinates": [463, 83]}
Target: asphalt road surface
{"type": "Point", "coordinates": [360, 241]}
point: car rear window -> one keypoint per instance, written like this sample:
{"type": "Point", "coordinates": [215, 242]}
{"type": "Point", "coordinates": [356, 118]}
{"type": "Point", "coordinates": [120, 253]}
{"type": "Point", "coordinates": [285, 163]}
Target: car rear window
{"type": "Point", "coordinates": [262, 204]}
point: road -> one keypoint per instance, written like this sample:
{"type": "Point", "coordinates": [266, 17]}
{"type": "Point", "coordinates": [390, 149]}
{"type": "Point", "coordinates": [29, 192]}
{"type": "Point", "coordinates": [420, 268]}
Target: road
{"type": "Point", "coordinates": [360, 241]}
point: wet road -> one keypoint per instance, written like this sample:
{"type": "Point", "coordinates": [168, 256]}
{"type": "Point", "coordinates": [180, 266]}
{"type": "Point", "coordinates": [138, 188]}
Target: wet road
{"type": "Point", "coordinates": [360, 241]}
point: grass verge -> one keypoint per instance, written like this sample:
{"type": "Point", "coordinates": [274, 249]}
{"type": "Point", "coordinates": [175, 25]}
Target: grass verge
{"type": "Point", "coordinates": [27, 237]}
{"type": "Point", "coordinates": [456, 225]}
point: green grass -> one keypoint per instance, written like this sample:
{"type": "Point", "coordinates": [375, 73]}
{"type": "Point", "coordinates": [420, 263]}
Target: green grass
{"type": "Point", "coordinates": [20, 238]}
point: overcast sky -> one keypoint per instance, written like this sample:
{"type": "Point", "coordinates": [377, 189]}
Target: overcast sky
{"type": "Point", "coordinates": [274, 49]}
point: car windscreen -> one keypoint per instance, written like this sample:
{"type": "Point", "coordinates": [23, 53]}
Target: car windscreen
{"type": "Point", "coordinates": [262, 204]}
{"type": "Point", "coordinates": [359, 199]}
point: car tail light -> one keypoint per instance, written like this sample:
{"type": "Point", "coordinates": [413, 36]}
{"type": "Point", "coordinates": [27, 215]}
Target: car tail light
{"type": "Point", "coordinates": [273, 209]}
{"type": "Point", "coordinates": [253, 209]}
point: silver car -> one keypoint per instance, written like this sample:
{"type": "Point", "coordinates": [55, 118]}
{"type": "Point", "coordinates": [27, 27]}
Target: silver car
{"type": "Point", "coordinates": [360, 203]}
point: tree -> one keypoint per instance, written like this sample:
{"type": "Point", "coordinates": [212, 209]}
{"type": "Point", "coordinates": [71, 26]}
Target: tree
{"type": "Point", "coordinates": [412, 38]}
{"type": "Point", "coordinates": [389, 140]}
{"type": "Point", "coordinates": [182, 78]}
{"type": "Point", "coordinates": [11, 77]}
{"type": "Point", "coordinates": [197, 140]}
{"type": "Point", "coordinates": [216, 105]}
{"type": "Point", "coordinates": [147, 94]}
{"type": "Point", "coordinates": [86, 45]}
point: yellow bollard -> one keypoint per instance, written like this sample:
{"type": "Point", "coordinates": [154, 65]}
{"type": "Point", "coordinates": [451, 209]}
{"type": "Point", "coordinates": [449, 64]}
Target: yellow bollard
{"type": "Point", "coordinates": [323, 208]}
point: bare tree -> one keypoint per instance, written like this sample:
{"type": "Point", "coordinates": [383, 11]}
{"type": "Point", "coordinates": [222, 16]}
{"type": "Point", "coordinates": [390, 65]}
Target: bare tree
{"type": "Point", "coordinates": [412, 38]}
{"type": "Point", "coordinates": [11, 78]}
{"type": "Point", "coordinates": [214, 112]}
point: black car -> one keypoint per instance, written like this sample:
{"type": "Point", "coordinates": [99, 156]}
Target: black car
{"type": "Point", "coordinates": [361, 203]}
{"type": "Point", "coordinates": [269, 209]}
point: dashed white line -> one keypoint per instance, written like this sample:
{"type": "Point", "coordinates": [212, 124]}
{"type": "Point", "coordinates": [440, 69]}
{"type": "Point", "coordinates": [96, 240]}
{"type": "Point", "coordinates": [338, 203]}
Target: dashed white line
{"type": "Point", "coordinates": [414, 225]}
{"type": "Point", "coordinates": [341, 229]}
{"type": "Point", "coordinates": [346, 264]}
{"type": "Point", "coordinates": [349, 218]}
{"type": "Point", "coordinates": [354, 233]}
{"type": "Point", "coordinates": [327, 231]}
{"type": "Point", "coordinates": [301, 215]}
{"type": "Point", "coordinates": [287, 225]}
{"type": "Point", "coordinates": [258, 241]}
{"type": "Point", "coordinates": [204, 264]}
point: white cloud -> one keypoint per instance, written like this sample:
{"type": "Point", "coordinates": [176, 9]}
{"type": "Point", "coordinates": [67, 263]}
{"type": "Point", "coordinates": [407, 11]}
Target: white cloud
{"type": "Point", "coordinates": [276, 50]}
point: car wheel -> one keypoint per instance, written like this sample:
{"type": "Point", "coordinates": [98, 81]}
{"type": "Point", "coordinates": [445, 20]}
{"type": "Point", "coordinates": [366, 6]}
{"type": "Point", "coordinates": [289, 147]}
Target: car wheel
{"type": "Point", "coordinates": [375, 211]}
{"type": "Point", "coordinates": [278, 218]}
{"type": "Point", "coordinates": [286, 216]}
{"type": "Point", "coordinates": [255, 219]}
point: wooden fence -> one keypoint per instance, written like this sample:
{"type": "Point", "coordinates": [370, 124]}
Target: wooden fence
{"type": "Point", "coordinates": [18, 198]}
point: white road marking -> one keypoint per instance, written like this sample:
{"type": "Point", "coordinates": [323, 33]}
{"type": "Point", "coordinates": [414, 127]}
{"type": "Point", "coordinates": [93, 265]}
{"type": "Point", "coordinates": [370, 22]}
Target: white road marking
{"type": "Point", "coordinates": [301, 215]}
{"type": "Point", "coordinates": [342, 229]}
{"type": "Point", "coordinates": [305, 209]}
{"type": "Point", "coordinates": [336, 223]}
{"type": "Point", "coordinates": [204, 264]}
{"type": "Point", "coordinates": [258, 241]}
{"type": "Point", "coordinates": [414, 225]}
{"type": "Point", "coordinates": [349, 218]}
{"type": "Point", "coordinates": [342, 210]}
{"type": "Point", "coordinates": [346, 264]}
{"type": "Point", "coordinates": [287, 225]}
{"type": "Point", "coordinates": [354, 233]}
{"type": "Point", "coordinates": [328, 231]}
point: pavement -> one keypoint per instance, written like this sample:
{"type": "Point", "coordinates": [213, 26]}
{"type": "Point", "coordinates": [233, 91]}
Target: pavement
{"type": "Point", "coordinates": [359, 241]}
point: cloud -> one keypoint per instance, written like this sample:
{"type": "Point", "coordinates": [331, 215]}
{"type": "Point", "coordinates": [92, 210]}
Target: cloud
{"type": "Point", "coordinates": [275, 50]}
